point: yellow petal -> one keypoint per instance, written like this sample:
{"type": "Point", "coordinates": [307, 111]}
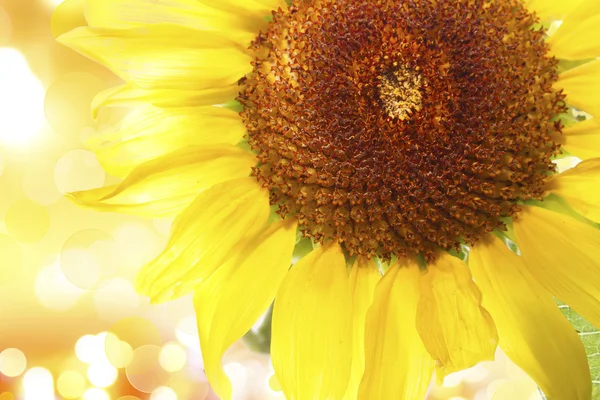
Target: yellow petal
{"type": "Point", "coordinates": [68, 15]}
{"type": "Point", "coordinates": [580, 187]}
{"type": "Point", "coordinates": [120, 14]}
{"type": "Point", "coordinates": [166, 185]}
{"type": "Point", "coordinates": [581, 85]}
{"type": "Point", "coordinates": [149, 132]}
{"type": "Point", "coordinates": [456, 330]}
{"type": "Point", "coordinates": [397, 366]}
{"type": "Point", "coordinates": [128, 95]}
{"type": "Point", "coordinates": [163, 56]}
{"type": "Point", "coordinates": [552, 9]}
{"type": "Point", "coordinates": [562, 253]}
{"type": "Point", "coordinates": [532, 330]}
{"type": "Point", "coordinates": [582, 139]}
{"type": "Point", "coordinates": [312, 327]}
{"type": "Point", "coordinates": [364, 275]}
{"type": "Point", "coordinates": [258, 7]}
{"type": "Point", "coordinates": [238, 293]}
{"type": "Point", "coordinates": [204, 236]}
{"type": "Point", "coordinates": [578, 36]}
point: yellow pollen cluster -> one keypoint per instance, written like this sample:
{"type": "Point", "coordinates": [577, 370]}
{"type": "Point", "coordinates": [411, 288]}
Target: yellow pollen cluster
{"type": "Point", "coordinates": [400, 92]}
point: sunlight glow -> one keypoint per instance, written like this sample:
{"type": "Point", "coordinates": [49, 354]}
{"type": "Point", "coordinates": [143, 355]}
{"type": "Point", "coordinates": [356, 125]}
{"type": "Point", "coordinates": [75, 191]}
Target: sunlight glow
{"type": "Point", "coordinates": [21, 100]}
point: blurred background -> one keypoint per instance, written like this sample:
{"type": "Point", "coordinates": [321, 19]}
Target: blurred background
{"type": "Point", "coordinates": [71, 324]}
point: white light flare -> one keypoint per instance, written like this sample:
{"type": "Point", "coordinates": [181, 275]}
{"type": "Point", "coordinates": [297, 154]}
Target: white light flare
{"type": "Point", "coordinates": [21, 100]}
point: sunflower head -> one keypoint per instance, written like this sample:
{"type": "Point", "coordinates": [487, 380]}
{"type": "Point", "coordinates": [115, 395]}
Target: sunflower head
{"type": "Point", "coordinates": [396, 136]}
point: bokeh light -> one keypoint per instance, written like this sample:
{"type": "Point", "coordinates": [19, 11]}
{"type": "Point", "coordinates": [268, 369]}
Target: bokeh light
{"type": "Point", "coordinates": [78, 170]}
{"type": "Point", "coordinates": [172, 357]}
{"type": "Point", "coordinates": [21, 100]}
{"type": "Point", "coordinates": [163, 393]}
{"type": "Point", "coordinates": [95, 394]}
{"type": "Point", "coordinates": [38, 384]}
{"type": "Point", "coordinates": [70, 384]}
{"type": "Point", "coordinates": [118, 352]}
{"type": "Point", "coordinates": [12, 362]}
{"type": "Point", "coordinates": [12, 258]}
{"type": "Point", "coordinates": [54, 291]}
{"type": "Point", "coordinates": [145, 372]}
{"type": "Point", "coordinates": [102, 374]}
{"type": "Point", "coordinates": [88, 258]}
{"type": "Point", "coordinates": [38, 183]}
{"type": "Point", "coordinates": [27, 221]}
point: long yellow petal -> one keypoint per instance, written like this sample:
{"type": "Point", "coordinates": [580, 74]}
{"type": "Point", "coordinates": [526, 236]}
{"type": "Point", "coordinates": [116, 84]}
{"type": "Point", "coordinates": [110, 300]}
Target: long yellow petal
{"type": "Point", "coordinates": [121, 14]}
{"type": "Point", "coordinates": [524, 313]}
{"type": "Point", "coordinates": [552, 9]}
{"type": "Point", "coordinates": [128, 95]}
{"type": "Point", "coordinates": [258, 7]}
{"type": "Point", "coordinates": [456, 330]}
{"type": "Point", "coordinates": [68, 15]}
{"type": "Point", "coordinates": [562, 253]}
{"type": "Point", "coordinates": [580, 186]}
{"type": "Point", "coordinates": [397, 366]}
{"type": "Point", "coordinates": [364, 275]}
{"type": "Point", "coordinates": [582, 139]}
{"type": "Point", "coordinates": [150, 132]}
{"type": "Point", "coordinates": [238, 293]}
{"type": "Point", "coordinates": [166, 185]}
{"type": "Point", "coordinates": [163, 56]}
{"type": "Point", "coordinates": [312, 327]}
{"type": "Point", "coordinates": [204, 236]}
{"type": "Point", "coordinates": [581, 85]}
{"type": "Point", "coordinates": [579, 35]}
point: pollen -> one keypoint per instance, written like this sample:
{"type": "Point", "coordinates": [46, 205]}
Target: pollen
{"type": "Point", "coordinates": [402, 127]}
{"type": "Point", "coordinates": [400, 92]}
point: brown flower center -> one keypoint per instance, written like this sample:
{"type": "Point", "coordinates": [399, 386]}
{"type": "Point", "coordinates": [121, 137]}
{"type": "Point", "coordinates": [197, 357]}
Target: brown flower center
{"type": "Point", "coordinates": [402, 126]}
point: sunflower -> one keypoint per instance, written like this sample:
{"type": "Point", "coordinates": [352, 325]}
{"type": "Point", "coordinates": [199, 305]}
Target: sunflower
{"type": "Point", "coordinates": [409, 143]}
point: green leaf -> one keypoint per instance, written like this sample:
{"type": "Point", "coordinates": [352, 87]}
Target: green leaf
{"type": "Point", "coordinates": [590, 336]}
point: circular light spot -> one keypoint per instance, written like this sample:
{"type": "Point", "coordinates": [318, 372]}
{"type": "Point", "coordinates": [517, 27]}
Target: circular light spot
{"type": "Point", "coordinates": [38, 384]}
{"type": "Point", "coordinates": [12, 258]}
{"type": "Point", "coordinates": [68, 98]}
{"type": "Point", "coordinates": [87, 347]}
{"type": "Point", "coordinates": [27, 221]}
{"type": "Point", "coordinates": [121, 352]}
{"type": "Point", "coordinates": [273, 383]}
{"type": "Point", "coordinates": [172, 357]}
{"type": "Point", "coordinates": [116, 299]}
{"type": "Point", "coordinates": [135, 332]}
{"type": "Point", "coordinates": [12, 362]}
{"type": "Point", "coordinates": [95, 394]}
{"type": "Point", "coordinates": [78, 170]}
{"type": "Point", "coordinates": [7, 396]}
{"type": "Point", "coordinates": [163, 393]}
{"type": "Point", "coordinates": [21, 100]}
{"type": "Point", "coordinates": [38, 183]}
{"type": "Point", "coordinates": [70, 384]}
{"type": "Point", "coordinates": [136, 244]}
{"type": "Point", "coordinates": [88, 258]}
{"type": "Point", "coordinates": [102, 374]}
{"type": "Point", "coordinates": [189, 384]}
{"type": "Point", "coordinates": [144, 372]}
{"type": "Point", "coordinates": [53, 289]}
